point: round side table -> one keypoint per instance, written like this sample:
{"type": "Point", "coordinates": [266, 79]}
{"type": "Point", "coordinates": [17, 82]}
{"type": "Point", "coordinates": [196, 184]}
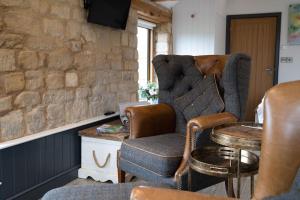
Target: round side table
{"type": "Point", "coordinates": [232, 160]}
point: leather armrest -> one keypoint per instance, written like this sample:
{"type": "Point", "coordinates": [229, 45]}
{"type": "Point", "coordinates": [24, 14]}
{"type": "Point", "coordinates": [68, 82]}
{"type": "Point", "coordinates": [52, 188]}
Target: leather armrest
{"type": "Point", "coordinates": [211, 121]}
{"type": "Point", "coordinates": [151, 120]}
{"type": "Point", "coordinates": [201, 123]}
{"type": "Point", "coordinates": [147, 193]}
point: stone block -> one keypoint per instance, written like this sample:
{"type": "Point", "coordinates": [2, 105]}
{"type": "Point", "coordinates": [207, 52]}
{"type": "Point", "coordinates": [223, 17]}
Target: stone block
{"type": "Point", "coordinates": [85, 60]}
{"type": "Point", "coordinates": [7, 60]}
{"type": "Point", "coordinates": [75, 45]}
{"type": "Point", "coordinates": [60, 10]}
{"type": "Point", "coordinates": [104, 41]}
{"type": "Point", "coordinates": [73, 30]}
{"type": "Point", "coordinates": [13, 82]}
{"type": "Point", "coordinates": [133, 40]}
{"type": "Point", "coordinates": [78, 14]}
{"type": "Point", "coordinates": [127, 76]}
{"type": "Point", "coordinates": [27, 99]}
{"type": "Point", "coordinates": [88, 32]}
{"type": "Point", "coordinates": [54, 97]}
{"type": "Point", "coordinates": [53, 27]}
{"type": "Point", "coordinates": [87, 78]}
{"type": "Point", "coordinates": [10, 40]}
{"type": "Point", "coordinates": [128, 53]}
{"type": "Point", "coordinates": [69, 95]}
{"type": "Point", "coordinates": [71, 79]}
{"type": "Point", "coordinates": [76, 111]}
{"type": "Point", "coordinates": [125, 39]}
{"type": "Point", "coordinates": [42, 59]}
{"type": "Point", "coordinates": [136, 55]}
{"type": "Point", "coordinates": [28, 60]}
{"type": "Point", "coordinates": [116, 64]}
{"type": "Point", "coordinates": [95, 108]}
{"type": "Point", "coordinates": [13, 3]}
{"type": "Point", "coordinates": [61, 59]}
{"type": "Point", "coordinates": [98, 90]}
{"type": "Point", "coordinates": [34, 80]}
{"type": "Point", "coordinates": [35, 120]}
{"type": "Point", "coordinates": [55, 115]}
{"type": "Point", "coordinates": [12, 125]}
{"type": "Point", "coordinates": [102, 61]}
{"type": "Point", "coordinates": [131, 65]}
{"type": "Point", "coordinates": [5, 104]}
{"type": "Point", "coordinates": [115, 37]}
{"type": "Point", "coordinates": [163, 37]}
{"type": "Point", "coordinates": [22, 21]}
{"type": "Point", "coordinates": [55, 80]}
{"type": "Point", "coordinates": [110, 102]}
{"type": "Point", "coordinates": [83, 93]}
{"type": "Point", "coordinates": [43, 43]}
{"type": "Point", "coordinates": [1, 26]}
{"type": "Point", "coordinates": [44, 7]}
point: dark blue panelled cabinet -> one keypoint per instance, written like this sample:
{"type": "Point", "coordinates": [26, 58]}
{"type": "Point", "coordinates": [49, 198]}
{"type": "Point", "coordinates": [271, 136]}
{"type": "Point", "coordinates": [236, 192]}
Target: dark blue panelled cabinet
{"type": "Point", "coordinates": [29, 170]}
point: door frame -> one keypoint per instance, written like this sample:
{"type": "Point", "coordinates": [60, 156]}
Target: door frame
{"type": "Point", "coordinates": [278, 34]}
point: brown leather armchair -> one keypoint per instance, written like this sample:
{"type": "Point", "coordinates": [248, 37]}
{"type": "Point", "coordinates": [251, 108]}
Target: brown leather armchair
{"type": "Point", "coordinates": [280, 151]}
{"type": "Point", "coordinates": [153, 125]}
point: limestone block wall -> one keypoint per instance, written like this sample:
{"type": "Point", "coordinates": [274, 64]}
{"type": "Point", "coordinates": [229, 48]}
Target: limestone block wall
{"type": "Point", "coordinates": [56, 69]}
{"type": "Point", "coordinates": [163, 39]}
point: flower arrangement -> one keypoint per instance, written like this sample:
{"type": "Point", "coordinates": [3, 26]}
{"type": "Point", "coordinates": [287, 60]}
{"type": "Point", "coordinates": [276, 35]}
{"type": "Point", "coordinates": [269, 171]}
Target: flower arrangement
{"type": "Point", "coordinates": [149, 92]}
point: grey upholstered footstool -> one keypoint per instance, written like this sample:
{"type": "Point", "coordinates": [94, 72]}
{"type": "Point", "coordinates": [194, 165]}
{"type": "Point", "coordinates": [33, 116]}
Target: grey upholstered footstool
{"type": "Point", "coordinates": [94, 192]}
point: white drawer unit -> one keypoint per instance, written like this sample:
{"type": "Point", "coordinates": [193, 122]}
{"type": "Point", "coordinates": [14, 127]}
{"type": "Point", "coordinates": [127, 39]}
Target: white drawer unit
{"type": "Point", "coordinates": [99, 157]}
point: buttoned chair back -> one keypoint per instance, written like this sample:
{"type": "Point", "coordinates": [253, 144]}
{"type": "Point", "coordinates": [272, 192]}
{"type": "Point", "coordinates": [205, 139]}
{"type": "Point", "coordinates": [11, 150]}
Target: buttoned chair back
{"type": "Point", "coordinates": [177, 75]}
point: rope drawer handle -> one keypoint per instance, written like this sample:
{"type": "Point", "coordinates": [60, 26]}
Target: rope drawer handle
{"type": "Point", "coordinates": [97, 162]}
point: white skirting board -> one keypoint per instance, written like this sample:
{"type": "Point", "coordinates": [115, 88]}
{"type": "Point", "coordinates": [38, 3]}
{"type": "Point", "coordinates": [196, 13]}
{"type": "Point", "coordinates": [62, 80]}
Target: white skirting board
{"type": "Point", "coordinates": [42, 134]}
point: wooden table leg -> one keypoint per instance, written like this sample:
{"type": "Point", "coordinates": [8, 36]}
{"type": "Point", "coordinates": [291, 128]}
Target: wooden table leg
{"type": "Point", "coordinates": [190, 179]}
{"type": "Point", "coordinates": [252, 185]}
{"type": "Point", "coordinates": [229, 187]}
{"type": "Point", "coordinates": [239, 175]}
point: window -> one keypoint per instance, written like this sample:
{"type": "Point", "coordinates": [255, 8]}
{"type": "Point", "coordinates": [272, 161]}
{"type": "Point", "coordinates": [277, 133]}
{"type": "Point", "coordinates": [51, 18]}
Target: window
{"type": "Point", "coordinates": [145, 51]}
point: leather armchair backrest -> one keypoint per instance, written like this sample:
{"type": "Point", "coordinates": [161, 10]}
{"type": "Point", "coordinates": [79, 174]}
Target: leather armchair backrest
{"type": "Point", "coordinates": [212, 64]}
{"type": "Point", "coordinates": [280, 153]}
{"type": "Point", "coordinates": [233, 74]}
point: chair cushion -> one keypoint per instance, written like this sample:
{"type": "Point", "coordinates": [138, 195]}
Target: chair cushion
{"type": "Point", "coordinates": [95, 192]}
{"type": "Point", "coordinates": [204, 99]}
{"type": "Point", "coordinates": [160, 154]}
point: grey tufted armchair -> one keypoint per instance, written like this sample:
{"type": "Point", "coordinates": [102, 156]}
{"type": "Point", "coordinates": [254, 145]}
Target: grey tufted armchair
{"type": "Point", "coordinates": [163, 135]}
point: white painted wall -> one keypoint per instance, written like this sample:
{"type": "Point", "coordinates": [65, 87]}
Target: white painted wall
{"type": "Point", "coordinates": [287, 71]}
{"type": "Point", "coordinates": [205, 34]}
{"type": "Point", "coordinates": [193, 36]}
{"type": "Point", "coordinates": [202, 34]}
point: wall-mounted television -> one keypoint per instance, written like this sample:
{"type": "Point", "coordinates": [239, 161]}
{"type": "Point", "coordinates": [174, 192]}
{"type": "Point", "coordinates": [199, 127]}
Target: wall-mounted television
{"type": "Point", "coordinates": [113, 13]}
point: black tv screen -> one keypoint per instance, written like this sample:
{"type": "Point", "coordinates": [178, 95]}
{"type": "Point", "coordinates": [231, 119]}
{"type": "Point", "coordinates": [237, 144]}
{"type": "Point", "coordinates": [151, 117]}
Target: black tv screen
{"type": "Point", "coordinates": [113, 13]}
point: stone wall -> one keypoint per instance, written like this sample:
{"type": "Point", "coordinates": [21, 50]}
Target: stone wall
{"type": "Point", "coordinates": [163, 39]}
{"type": "Point", "coordinates": [56, 69]}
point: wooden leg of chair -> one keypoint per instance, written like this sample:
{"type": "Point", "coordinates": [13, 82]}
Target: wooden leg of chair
{"type": "Point", "coordinates": [121, 176]}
